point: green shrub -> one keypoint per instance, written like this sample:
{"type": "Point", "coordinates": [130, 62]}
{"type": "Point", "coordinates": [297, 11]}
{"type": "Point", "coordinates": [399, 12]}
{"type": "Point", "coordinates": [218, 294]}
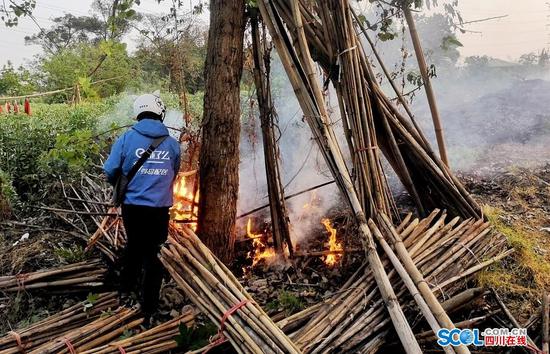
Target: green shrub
{"type": "Point", "coordinates": [29, 146]}
{"type": "Point", "coordinates": [8, 196]}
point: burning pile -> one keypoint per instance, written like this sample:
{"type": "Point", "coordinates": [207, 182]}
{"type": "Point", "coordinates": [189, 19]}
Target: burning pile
{"type": "Point", "coordinates": [334, 246]}
{"type": "Point", "coordinates": [261, 251]}
{"type": "Point", "coordinates": [186, 200]}
{"type": "Point", "coordinates": [445, 252]}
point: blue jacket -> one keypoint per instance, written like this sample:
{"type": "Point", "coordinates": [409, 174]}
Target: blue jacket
{"type": "Point", "coordinates": [152, 184]}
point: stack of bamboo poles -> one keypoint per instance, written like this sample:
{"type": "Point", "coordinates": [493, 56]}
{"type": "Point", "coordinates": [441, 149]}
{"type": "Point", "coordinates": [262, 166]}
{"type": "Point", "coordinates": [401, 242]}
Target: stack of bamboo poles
{"type": "Point", "coordinates": [29, 338]}
{"type": "Point", "coordinates": [106, 328]}
{"type": "Point", "coordinates": [216, 291]}
{"type": "Point", "coordinates": [371, 120]}
{"type": "Point", "coordinates": [110, 236]}
{"type": "Point", "coordinates": [159, 339]}
{"type": "Point", "coordinates": [445, 253]}
{"type": "Point", "coordinates": [76, 276]}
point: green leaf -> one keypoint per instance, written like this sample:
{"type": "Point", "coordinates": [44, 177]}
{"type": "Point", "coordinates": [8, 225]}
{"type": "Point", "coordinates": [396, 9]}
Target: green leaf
{"type": "Point", "coordinates": [92, 298]}
{"type": "Point", "coordinates": [194, 338]}
{"type": "Point", "coordinates": [450, 42]}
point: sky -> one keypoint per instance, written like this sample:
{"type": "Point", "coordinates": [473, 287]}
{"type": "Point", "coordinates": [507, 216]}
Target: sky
{"type": "Point", "coordinates": [525, 29]}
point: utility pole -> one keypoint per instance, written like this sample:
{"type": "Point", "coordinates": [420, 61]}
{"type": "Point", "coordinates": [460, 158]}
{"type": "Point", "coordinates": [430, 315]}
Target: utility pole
{"type": "Point", "coordinates": [427, 84]}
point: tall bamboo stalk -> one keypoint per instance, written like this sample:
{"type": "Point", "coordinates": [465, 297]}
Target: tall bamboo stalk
{"type": "Point", "coordinates": [279, 216]}
{"type": "Point", "coordinates": [427, 84]}
{"type": "Point", "coordinates": [545, 321]}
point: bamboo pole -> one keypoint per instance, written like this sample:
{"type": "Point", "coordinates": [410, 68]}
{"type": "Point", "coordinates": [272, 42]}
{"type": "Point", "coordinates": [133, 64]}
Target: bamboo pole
{"type": "Point", "coordinates": [418, 279]}
{"type": "Point", "coordinates": [545, 321]}
{"type": "Point", "coordinates": [414, 286]}
{"type": "Point", "coordinates": [427, 84]}
{"type": "Point", "coordinates": [279, 215]}
{"type": "Point", "coordinates": [396, 313]}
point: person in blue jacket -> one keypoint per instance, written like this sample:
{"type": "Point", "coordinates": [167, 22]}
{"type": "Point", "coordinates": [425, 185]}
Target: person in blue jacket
{"type": "Point", "coordinates": [145, 208]}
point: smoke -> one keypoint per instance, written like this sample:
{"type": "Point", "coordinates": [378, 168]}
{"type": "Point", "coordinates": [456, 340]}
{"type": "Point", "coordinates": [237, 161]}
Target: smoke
{"type": "Point", "coordinates": [122, 114]}
{"type": "Point", "coordinates": [302, 165]}
{"type": "Point", "coordinates": [494, 112]}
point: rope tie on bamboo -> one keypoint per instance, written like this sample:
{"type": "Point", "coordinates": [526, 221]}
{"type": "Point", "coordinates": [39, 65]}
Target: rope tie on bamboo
{"type": "Point", "coordinates": [121, 349]}
{"type": "Point", "coordinates": [17, 338]}
{"type": "Point", "coordinates": [534, 349]}
{"type": "Point", "coordinates": [338, 60]}
{"type": "Point", "coordinates": [69, 345]}
{"type": "Point", "coordinates": [220, 336]}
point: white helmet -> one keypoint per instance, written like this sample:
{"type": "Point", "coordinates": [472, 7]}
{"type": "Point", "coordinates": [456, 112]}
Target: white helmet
{"type": "Point", "coordinates": [150, 103]}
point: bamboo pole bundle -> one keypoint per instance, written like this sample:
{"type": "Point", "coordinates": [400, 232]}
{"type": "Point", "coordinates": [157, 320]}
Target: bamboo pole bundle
{"type": "Point", "coordinates": [353, 320]}
{"type": "Point", "coordinates": [216, 291]}
{"type": "Point", "coordinates": [330, 33]}
{"type": "Point", "coordinates": [56, 325]}
{"type": "Point", "coordinates": [77, 276]}
{"type": "Point", "coordinates": [299, 67]}
{"type": "Point", "coordinates": [268, 119]}
{"type": "Point", "coordinates": [159, 339]}
{"type": "Point", "coordinates": [109, 326]}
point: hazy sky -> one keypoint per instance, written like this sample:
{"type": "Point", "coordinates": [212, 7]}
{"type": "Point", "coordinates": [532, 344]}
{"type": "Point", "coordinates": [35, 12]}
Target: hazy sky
{"type": "Point", "coordinates": [524, 30]}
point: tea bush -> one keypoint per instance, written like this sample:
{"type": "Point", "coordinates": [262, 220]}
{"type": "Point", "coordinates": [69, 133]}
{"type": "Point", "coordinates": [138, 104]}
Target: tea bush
{"type": "Point", "coordinates": [61, 142]}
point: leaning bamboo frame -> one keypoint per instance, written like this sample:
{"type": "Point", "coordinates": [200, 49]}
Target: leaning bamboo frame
{"type": "Point", "coordinates": [299, 67]}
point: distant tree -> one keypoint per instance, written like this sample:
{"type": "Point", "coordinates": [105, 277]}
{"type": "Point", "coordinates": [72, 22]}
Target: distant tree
{"type": "Point", "coordinates": [16, 82]}
{"type": "Point", "coordinates": [117, 15]}
{"type": "Point", "coordinates": [68, 31]}
{"type": "Point", "coordinates": [533, 58]}
{"type": "Point", "coordinates": [175, 47]}
{"type": "Point", "coordinates": [81, 59]}
{"type": "Point", "coordinates": [12, 10]}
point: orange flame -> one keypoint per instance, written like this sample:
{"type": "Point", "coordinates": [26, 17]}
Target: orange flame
{"type": "Point", "coordinates": [261, 250]}
{"type": "Point", "coordinates": [185, 204]}
{"type": "Point", "coordinates": [332, 258]}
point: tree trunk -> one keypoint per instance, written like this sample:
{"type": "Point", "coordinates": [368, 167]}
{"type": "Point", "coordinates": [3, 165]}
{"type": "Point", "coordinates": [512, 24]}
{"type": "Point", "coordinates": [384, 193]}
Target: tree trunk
{"type": "Point", "coordinates": [219, 155]}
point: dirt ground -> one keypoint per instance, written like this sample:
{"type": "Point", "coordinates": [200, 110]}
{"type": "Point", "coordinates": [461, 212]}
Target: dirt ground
{"type": "Point", "coordinates": [516, 200]}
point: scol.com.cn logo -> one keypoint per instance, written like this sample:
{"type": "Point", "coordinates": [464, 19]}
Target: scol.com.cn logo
{"type": "Point", "coordinates": [490, 337]}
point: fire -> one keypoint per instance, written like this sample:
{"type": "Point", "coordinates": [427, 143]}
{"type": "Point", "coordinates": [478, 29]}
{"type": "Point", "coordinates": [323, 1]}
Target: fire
{"type": "Point", "coordinates": [261, 250]}
{"type": "Point", "coordinates": [332, 258]}
{"type": "Point", "coordinates": [185, 206]}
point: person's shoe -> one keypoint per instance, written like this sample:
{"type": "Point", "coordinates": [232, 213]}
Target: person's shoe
{"type": "Point", "coordinates": [147, 322]}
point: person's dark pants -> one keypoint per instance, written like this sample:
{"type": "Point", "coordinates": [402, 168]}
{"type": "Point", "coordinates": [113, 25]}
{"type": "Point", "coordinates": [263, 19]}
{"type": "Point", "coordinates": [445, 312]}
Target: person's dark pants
{"type": "Point", "coordinates": [142, 271]}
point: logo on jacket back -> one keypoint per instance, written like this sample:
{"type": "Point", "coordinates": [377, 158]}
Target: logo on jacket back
{"type": "Point", "coordinates": [157, 156]}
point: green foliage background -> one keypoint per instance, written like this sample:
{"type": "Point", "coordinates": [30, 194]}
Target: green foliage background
{"type": "Point", "coordinates": [61, 142]}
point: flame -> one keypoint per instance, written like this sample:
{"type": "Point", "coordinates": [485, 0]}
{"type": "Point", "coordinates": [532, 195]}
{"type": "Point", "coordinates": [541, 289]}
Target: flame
{"type": "Point", "coordinates": [332, 258]}
{"type": "Point", "coordinates": [261, 250]}
{"type": "Point", "coordinates": [185, 204]}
